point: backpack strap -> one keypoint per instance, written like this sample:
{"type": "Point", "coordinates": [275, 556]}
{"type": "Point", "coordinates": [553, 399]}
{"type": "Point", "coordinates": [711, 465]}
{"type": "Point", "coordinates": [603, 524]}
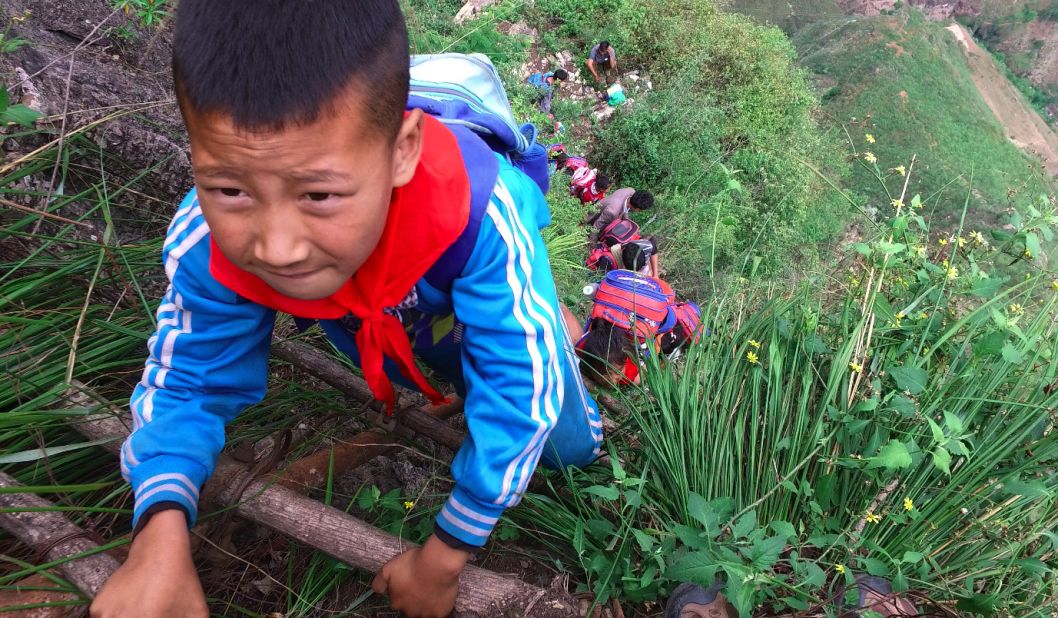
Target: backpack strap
{"type": "Point", "coordinates": [483, 169]}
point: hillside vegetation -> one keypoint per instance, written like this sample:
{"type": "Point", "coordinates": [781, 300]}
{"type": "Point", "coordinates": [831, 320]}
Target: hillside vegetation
{"type": "Point", "coordinates": [904, 80]}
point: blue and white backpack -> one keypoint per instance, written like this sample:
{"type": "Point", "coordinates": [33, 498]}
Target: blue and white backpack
{"type": "Point", "coordinates": [465, 92]}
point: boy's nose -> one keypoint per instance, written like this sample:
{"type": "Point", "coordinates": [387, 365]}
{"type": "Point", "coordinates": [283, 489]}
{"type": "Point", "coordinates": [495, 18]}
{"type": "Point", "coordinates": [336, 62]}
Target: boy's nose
{"type": "Point", "coordinates": [280, 243]}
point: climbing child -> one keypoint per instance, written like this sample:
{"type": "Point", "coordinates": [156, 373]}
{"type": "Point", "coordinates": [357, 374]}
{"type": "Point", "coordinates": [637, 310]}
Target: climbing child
{"type": "Point", "coordinates": [546, 84]}
{"type": "Point", "coordinates": [617, 205]}
{"type": "Point", "coordinates": [589, 185]}
{"type": "Point", "coordinates": [324, 191]}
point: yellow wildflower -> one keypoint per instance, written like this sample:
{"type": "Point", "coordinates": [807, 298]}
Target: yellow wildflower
{"type": "Point", "coordinates": [754, 343]}
{"type": "Point", "coordinates": [962, 242]}
{"type": "Point", "coordinates": [1015, 309]}
{"type": "Point", "coordinates": [900, 169]}
{"type": "Point", "coordinates": [920, 251]}
{"type": "Point", "coordinates": [872, 518]}
{"type": "Point", "coordinates": [869, 157]}
{"type": "Point", "coordinates": [922, 315]}
{"type": "Point", "coordinates": [901, 315]}
{"type": "Point", "coordinates": [951, 273]}
{"type": "Point", "coordinates": [1054, 284]}
{"type": "Point", "coordinates": [897, 203]}
{"type": "Point", "coordinates": [840, 569]}
{"type": "Point", "coordinates": [752, 357]}
{"type": "Point", "coordinates": [1028, 254]}
{"type": "Point", "coordinates": [870, 138]}
{"type": "Point", "coordinates": [908, 504]}
{"type": "Point", "coordinates": [408, 504]}
{"type": "Point", "coordinates": [856, 367]}
{"type": "Point", "coordinates": [977, 237]}
{"type": "Point", "coordinates": [942, 242]}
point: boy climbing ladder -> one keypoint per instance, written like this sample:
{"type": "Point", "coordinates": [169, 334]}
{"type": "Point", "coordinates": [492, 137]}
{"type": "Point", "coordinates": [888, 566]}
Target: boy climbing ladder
{"type": "Point", "coordinates": [374, 217]}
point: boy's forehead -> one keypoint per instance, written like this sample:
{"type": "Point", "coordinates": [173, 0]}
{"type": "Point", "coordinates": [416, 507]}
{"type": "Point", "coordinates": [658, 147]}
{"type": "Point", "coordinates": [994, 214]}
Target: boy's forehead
{"type": "Point", "coordinates": [343, 119]}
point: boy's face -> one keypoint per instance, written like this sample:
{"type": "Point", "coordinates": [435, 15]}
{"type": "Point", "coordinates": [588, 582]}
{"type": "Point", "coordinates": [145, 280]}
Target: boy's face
{"type": "Point", "coordinates": [303, 207]}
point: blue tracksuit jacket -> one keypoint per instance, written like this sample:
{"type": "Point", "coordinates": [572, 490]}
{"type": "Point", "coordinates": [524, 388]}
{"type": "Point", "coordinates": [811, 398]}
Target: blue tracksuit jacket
{"type": "Point", "coordinates": [525, 399]}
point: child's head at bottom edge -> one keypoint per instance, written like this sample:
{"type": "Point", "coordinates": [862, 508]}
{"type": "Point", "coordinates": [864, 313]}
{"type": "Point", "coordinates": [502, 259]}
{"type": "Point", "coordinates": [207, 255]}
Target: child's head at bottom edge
{"type": "Point", "coordinates": [606, 353]}
{"type": "Point", "coordinates": [295, 113]}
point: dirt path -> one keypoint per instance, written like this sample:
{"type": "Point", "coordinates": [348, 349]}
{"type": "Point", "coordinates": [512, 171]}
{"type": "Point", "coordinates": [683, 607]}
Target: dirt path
{"type": "Point", "coordinates": [1022, 124]}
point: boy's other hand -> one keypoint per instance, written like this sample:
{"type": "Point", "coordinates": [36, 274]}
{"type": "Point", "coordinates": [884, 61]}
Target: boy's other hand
{"type": "Point", "coordinates": [158, 580]}
{"type": "Point", "coordinates": [423, 582]}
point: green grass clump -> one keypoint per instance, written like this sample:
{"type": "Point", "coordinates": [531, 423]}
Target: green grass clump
{"type": "Point", "coordinates": [895, 417]}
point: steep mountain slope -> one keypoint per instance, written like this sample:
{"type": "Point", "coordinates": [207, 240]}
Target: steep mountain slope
{"type": "Point", "coordinates": [906, 80]}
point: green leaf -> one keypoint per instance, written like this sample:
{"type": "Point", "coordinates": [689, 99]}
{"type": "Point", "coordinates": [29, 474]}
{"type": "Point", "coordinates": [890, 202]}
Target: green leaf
{"type": "Point", "coordinates": [987, 287]}
{"type": "Point", "coordinates": [605, 492]}
{"type": "Point", "coordinates": [1011, 354]}
{"type": "Point", "coordinates": [891, 248]}
{"type": "Point", "coordinates": [862, 248]}
{"type": "Point", "coordinates": [1033, 566]}
{"type": "Point", "coordinates": [982, 604]}
{"type": "Point", "coordinates": [912, 557]}
{"type": "Point", "coordinates": [695, 566]}
{"type": "Point", "coordinates": [953, 422]}
{"type": "Point", "coordinates": [942, 459]}
{"type": "Point", "coordinates": [1032, 244]}
{"type": "Point", "coordinates": [49, 451]}
{"type": "Point", "coordinates": [894, 455]}
{"type": "Point", "coordinates": [910, 379]}
{"type": "Point", "coordinates": [765, 552]}
{"type": "Point", "coordinates": [991, 344]}
{"type": "Point", "coordinates": [19, 114]}
{"type": "Point", "coordinates": [903, 406]}
{"type": "Point", "coordinates": [916, 201]}
{"type": "Point", "coordinates": [1031, 489]}
{"type": "Point", "coordinates": [646, 542]}
{"type": "Point", "coordinates": [1000, 235]}
{"type": "Point", "coordinates": [3, 97]}
{"type": "Point", "coordinates": [814, 576]}
{"type": "Point", "coordinates": [824, 488]}
{"type": "Point", "coordinates": [784, 529]}
{"type": "Point", "coordinates": [745, 524]}
{"type": "Point", "coordinates": [876, 567]}
{"type": "Point", "coordinates": [938, 433]}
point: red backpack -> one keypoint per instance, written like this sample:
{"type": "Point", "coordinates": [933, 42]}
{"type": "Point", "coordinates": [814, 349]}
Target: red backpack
{"type": "Point", "coordinates": [582, 181]}
{"type": "Point", "coordinates": [630, 301]}
{"type": "Point", "coordinates": [601, 258]}
{"type": "Point", "coordinates": [688, 322]}
{"type": "Point", "coordinates": [619, 231]}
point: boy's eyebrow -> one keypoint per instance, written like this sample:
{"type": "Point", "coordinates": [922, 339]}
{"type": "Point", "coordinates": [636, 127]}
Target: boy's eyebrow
{"type": "Point", "coordinates": [317, 175]}
{"type": "Point", "coordinates": [309, 175]}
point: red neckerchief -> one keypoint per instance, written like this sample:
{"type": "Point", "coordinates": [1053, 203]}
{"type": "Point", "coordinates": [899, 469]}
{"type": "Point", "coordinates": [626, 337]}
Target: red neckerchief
{"type": "Point", "coordinates": [425, 217]}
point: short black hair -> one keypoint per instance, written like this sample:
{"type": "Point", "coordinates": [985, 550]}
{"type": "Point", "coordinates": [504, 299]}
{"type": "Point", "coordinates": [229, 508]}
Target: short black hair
{"type": "Point", "coordinates": [272, 63]}
{"type": "Point", "coordinates": [641, 200]}
{"type": "Point", "coordinates": [603, 350]}
{"type": "Point", "coordinates": [604, 44]}
{"type": "Point", "coordinates": [602, 182]}
{"type": "Point", "coordinates": [561, 75]}
{"type": "Point", "coordinates": [635, 256]}
{"type": "Point", "coordinates": [561, 158]}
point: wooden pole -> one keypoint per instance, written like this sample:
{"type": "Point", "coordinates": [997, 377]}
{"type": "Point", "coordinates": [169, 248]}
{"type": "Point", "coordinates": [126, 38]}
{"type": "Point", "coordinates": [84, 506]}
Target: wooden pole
{"type": "Point", "coordinates": [481, 592]}
{"type": "Point", "coordinates": [405, 423]}
{"type": "Point", "coordinates": [52, 534]}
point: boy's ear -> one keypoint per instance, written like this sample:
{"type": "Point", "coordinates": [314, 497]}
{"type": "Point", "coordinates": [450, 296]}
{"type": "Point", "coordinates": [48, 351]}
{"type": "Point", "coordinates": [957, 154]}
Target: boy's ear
{"type": "Point", "coordinates": [407, 148]}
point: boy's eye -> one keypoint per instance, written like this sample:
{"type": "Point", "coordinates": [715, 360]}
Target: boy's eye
{"type": "Point", "coordinates": [230, 192]}
{"type": "Point", "coordinates": [317, 196]}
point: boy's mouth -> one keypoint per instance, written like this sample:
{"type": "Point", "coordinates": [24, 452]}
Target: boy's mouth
{"type": "Point", "coordinates": [293, 275]}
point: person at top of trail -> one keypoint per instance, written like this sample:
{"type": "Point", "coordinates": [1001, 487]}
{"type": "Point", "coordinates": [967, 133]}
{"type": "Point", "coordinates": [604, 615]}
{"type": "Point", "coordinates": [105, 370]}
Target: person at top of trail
{"type": "Point", "coordinates": [602, 57]}
{"type": "Point", "coordinates": [324, 190]}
